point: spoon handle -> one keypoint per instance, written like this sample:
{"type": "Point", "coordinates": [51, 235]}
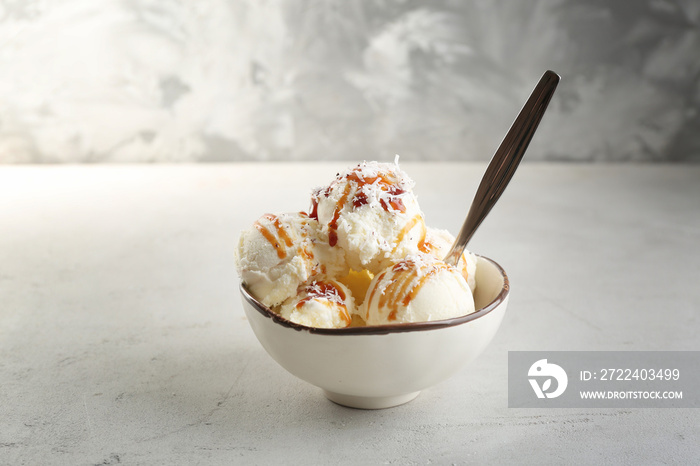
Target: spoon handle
{"type": "Point", "coordinates": [504, 162]}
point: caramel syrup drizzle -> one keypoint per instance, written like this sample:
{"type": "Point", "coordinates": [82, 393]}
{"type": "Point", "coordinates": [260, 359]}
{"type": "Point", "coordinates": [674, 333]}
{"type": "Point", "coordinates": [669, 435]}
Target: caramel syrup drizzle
{"type": "Point", "coordinates": [423, 246]}
{"type": "Point", "coordinates": [404, 286]}
{"type": "Point", "coordinates": [278, 237]}
{"type": "Point", "coordinates": [426, 246]}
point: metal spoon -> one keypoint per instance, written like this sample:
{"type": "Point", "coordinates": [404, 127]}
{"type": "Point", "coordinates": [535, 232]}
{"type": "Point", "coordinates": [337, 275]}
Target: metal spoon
{"type": "Point", "coordinates": [504, 162]}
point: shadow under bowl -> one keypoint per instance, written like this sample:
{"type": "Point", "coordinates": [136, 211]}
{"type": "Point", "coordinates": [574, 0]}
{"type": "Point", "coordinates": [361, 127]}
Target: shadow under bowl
{"type": "Point", "coordinates": [382, 366]}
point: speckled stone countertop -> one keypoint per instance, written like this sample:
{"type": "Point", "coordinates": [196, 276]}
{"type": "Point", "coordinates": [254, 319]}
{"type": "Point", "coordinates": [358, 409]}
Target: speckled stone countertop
{"type": "Point", "coordinates": [123, 339]}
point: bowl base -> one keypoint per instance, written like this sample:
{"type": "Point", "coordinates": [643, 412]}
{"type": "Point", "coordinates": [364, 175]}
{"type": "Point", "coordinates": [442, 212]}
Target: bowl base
{"type": "Point", "coordinates": [369, 402]}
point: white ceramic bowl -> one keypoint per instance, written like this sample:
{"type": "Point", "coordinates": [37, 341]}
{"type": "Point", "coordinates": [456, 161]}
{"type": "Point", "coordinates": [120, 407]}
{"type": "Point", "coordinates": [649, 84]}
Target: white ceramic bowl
{"type": "Point", "coordinates": [383, 366]}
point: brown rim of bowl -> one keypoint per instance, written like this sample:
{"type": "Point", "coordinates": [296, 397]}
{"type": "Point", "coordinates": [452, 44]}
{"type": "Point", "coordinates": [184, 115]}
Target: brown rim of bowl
{"type": "Point", "coordinates": [384, 329]}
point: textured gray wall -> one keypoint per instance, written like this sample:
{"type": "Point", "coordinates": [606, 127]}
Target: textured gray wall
{"type": "Point", "coordinates": [215, 80]}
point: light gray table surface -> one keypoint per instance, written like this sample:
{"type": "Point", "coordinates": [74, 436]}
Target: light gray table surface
{"type": "Point", "coordinates": [123, 339]}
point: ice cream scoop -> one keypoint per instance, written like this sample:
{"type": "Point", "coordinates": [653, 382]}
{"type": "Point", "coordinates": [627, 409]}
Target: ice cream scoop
{"type": "Point", "coordinates": [418, 288]}
{"type": "Point", "coordinates": [280, 252]}
{"type": "Point", "coordinates": [322, 303]}
{"type": "Point", "coordinates": [371, 214]}
{"type": "Point", "coordinates": [273, 257]}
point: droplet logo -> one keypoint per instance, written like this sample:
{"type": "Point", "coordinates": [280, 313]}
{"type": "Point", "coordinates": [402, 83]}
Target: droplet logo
{"type": "Point", "coordinates": [542, 370]}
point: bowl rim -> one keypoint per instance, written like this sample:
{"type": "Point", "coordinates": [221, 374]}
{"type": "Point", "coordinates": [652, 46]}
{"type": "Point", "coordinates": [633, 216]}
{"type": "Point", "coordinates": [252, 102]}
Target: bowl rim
{"type": "Point", "coordinates": [388, 328]}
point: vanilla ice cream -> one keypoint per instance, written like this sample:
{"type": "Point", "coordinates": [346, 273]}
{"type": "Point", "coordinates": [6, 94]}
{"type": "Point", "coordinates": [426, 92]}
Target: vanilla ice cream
{"type": "Point", "coordinates": [323, 303]}
{"type": "Point", "coordinates": [363, 255]}
{"type": "Point", "coordinates": [418, 288]}
{"type": "Point", "coordinates": [281, 252]}
{"type": "Point", "coordinates": [371, 214]}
